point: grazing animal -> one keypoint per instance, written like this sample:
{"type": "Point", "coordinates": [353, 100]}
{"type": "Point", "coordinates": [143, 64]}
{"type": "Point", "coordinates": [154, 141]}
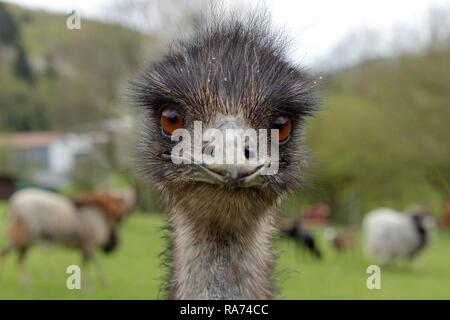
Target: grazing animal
{"type": "Point", "coordinates": [302, 237]}
{"type": "Point", "coordinates": [85, 223]}
{"type": "Point", "coordinates": [391, 235]}
{"type": "Point", "coordinates": [343, 242]}
{"type": "Point", "coordinates": [316, 214]}
{"type": "Point", "coordinates": [444, 222]}
{"type": "Point", "coordinates": [126, 195]}
{"type": "Point", "coordinates": [231, 74]}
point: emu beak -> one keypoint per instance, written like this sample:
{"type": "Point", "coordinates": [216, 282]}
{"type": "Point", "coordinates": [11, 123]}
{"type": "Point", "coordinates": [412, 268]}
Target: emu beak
{"type": "Point", "coordinates": [232, 175]}
{"type": "Point", "coordinates": [243, 171]}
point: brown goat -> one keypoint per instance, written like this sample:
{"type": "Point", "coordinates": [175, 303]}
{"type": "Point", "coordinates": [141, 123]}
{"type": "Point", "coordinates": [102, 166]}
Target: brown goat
{"type": "Point", "coordinates": [342, 242]}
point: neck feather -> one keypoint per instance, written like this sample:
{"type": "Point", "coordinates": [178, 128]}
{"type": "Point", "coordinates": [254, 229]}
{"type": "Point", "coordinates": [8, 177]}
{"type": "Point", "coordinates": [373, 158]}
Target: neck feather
{"type": "Point", "coordinates": [220, 259]}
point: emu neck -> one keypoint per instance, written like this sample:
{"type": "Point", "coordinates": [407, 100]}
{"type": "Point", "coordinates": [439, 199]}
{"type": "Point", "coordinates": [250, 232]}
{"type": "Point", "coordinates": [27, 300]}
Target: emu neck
{"type": "Point", "coordinates": [214, 259]}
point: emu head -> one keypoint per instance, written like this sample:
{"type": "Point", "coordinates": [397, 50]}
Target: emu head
{"type": "Point", "coordinates": [228, 75]}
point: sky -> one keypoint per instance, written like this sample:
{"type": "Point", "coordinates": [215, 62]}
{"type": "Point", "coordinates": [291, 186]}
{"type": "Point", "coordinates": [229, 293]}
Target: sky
{"type": "Point", "coordinates": [317, 26]}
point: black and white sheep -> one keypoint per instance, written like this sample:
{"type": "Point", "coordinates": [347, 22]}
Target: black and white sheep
{"type": "Point", "coordinates": [391, 235]}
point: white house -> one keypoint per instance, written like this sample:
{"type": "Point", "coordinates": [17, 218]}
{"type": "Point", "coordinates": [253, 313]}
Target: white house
{"type": "Point", "coordinates": [46, 157]}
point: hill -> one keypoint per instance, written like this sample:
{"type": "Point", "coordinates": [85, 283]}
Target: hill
{"type": "Point", "coordinates": [55, 78]}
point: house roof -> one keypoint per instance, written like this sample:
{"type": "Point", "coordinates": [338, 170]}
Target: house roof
{"type": "Point", "coordinates": [27, 140]}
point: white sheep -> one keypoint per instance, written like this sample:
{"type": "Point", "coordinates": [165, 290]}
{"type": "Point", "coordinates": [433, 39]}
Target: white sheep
{"type": "Point", "coordinates": [391, 235]}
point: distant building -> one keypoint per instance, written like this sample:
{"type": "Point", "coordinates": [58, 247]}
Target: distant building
{"type": "Point", "coordinates": [45, 157]}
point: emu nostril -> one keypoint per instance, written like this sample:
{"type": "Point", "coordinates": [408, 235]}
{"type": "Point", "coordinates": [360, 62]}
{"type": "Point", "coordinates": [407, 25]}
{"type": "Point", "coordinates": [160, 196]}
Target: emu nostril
{"type": "Point", "coordinates": [247, 153]}
{"type": "Point", "coordinates": [209, 150]}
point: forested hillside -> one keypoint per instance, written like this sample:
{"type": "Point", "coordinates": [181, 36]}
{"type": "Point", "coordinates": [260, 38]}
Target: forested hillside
{"type": "Point", "coordinates": [53, 78]}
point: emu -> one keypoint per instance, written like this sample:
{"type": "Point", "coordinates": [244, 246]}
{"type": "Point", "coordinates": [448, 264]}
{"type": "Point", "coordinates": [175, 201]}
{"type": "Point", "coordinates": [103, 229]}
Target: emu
{"type": "Point", "coordinates": [231, 73]}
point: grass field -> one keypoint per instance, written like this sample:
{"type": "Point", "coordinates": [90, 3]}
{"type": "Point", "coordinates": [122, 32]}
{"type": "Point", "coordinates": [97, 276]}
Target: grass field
{"type": "Point", "coordinates": [134, 271]}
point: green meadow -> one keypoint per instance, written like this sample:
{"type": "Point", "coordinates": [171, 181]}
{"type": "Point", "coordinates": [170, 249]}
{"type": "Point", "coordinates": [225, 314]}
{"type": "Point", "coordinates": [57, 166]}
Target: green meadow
{"type": "Point", "coordinates": [134, 270]}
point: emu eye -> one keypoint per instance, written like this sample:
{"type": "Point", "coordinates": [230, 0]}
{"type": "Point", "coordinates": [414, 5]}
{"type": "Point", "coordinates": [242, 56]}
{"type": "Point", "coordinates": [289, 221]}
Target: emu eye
{"type": "Point", "coordinates": [284, 126]}
{"type": "Point", "coordinates": [171, 120]}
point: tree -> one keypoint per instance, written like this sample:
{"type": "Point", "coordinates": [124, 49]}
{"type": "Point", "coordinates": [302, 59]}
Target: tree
{"type": "Point", "coordinates": [9, 31]}
{"type": "Point", "coordinates": [22, 67]}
